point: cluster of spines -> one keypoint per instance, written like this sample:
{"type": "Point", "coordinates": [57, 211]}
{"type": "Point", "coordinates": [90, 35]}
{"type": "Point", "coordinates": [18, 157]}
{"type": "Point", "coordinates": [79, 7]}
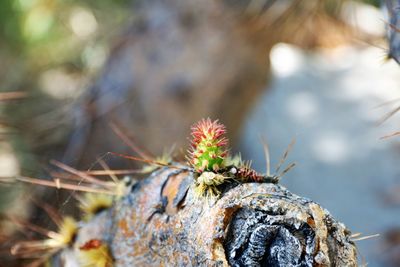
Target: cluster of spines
{"type": "Point", "coordinates": [208, 146]}
{"type": "Point", "coordinates": [246, 174]}
{"type": "Point", "coordinates": [42, 250]}
{"type": "Point", "coordinates": [92, 204]}
{"type": "Point", "coordinates": [93, 253]}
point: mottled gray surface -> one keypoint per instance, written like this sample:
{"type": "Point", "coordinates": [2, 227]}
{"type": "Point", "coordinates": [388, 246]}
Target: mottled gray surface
{"type": "Point", "coordinates": [328, 102]}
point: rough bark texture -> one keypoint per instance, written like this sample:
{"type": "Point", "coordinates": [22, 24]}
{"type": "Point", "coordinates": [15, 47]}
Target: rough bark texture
{"type": "Point", "coordinates": [250, 225]}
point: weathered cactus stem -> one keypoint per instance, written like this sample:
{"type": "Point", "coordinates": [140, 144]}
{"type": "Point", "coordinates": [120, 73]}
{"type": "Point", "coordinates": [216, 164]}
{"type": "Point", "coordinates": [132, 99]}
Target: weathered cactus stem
{"type": "Point", "coordinates": [252, 224]}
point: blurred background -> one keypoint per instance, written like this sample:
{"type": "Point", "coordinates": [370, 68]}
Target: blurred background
{"type": "Point", "coordinates": [317, 71]}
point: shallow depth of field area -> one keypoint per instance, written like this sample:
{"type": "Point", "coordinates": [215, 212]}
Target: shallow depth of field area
{"type": "Point", "coordinates": [84, 82]}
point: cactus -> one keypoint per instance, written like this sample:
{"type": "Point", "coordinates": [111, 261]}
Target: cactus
{"type": "Point", "coordinates": [46, 248]}
{"type": "Point", "coordinates": [208, 146]}
{"type": "Point", "coordinates": [161, 220]}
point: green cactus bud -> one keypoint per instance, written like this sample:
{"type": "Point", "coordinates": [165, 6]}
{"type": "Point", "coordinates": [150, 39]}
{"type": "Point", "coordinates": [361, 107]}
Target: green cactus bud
{"type": "Point", "coordinates": [208, 146]}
